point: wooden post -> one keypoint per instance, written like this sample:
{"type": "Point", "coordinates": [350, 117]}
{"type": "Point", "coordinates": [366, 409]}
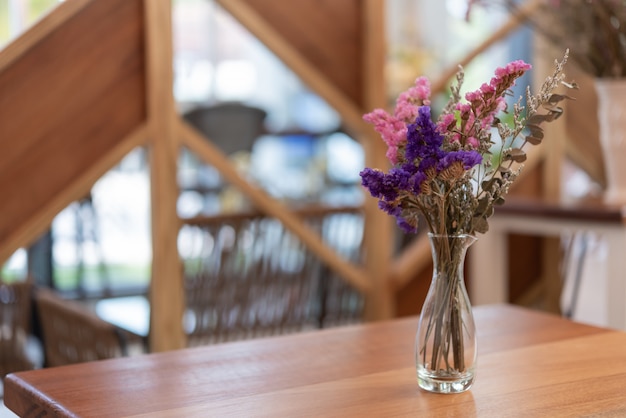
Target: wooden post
{"type": "Point", "coordinates": [166, 288]}
{"type": "Point", "coordinates": [554, 145]}
{"type": "Point", "coordinates": [380, 302]}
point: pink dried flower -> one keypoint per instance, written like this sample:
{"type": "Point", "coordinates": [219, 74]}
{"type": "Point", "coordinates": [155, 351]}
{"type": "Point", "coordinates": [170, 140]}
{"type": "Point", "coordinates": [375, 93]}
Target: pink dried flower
{"type": "Point", "coordinates": [409, 101]}
{"type": "Point", "coordinates": [446, 122]}
{"type": "Point", "coordinates": [391, 129]}
{"type": "Point", "coordinates": [472, 142]}
{"type": "Point", "coordinates": [505, 76]}
{"type": "Point", "coordinates": [405, 110]}
{"type": "Point", "coordinates": [516, 68]}
{"type": "Point", "coordinates": [392, 154]}
{"type": "Point", "coordinates": [455, 137]}
{"type": "Point", "coordinates": [422, 89]}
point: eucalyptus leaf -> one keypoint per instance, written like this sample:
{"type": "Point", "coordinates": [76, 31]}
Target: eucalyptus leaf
{"type": "Point", "coordinates": [533, 140]}
{"type": "Point", "coordinates": [537, 119]}
{"type": "Point", "coordinates": [517, 155]}
{"type": "Point", "coordinates": [570, 85]}
{"type": "Point", "coordinates": [555, 98]}
{"type": "Point", "coordinates": [489, 184]}
{"type": "Point", "coordinates": [535, 130]}
{"type": "Point", "coordinates": [557, 115]}
{"type": "Point", "coordinates": [483, 203]}
{"type": "Point", "coordinates": [480, 224]}
{"type": "Point", "coordinates": [553, 109]}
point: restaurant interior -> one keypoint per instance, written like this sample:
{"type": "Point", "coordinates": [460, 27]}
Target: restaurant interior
{"type": "Point", "coordinates": [197, 183]}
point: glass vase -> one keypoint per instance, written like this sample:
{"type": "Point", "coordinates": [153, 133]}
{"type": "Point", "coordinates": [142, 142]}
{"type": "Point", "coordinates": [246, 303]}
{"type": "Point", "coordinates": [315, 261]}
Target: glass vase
{"type": "Point", "coordinates": [445, 344]}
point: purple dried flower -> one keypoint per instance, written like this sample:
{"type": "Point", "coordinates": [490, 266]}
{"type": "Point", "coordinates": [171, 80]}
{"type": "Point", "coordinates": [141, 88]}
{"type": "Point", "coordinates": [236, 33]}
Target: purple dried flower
{"type": "Point", "coordinates": [423, 137]}
{"type": "Point", "coordinates": [379, 184]}
{"type": "Point", "coordinates": [468, 158]}
{"type": "Point", "coordinates": [405, 226]}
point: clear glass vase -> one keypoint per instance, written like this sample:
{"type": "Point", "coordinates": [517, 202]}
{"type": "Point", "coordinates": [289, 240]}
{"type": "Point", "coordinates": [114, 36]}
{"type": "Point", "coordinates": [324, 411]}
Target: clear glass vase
{"type": "Point", "coordinates": [445, 344]}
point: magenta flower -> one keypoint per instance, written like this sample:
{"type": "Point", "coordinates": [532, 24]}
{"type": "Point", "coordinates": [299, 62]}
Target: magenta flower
{"type": "Point", "coordinates": [393, 128]}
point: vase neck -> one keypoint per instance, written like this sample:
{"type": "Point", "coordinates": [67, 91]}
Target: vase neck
{"type": "Point", "coordinates": [448, 251]}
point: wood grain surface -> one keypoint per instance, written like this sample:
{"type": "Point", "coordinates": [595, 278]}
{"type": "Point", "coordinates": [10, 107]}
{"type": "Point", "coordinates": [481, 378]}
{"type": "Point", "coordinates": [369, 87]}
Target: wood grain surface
{"type": "Point", "coordinates": [68, 99]}
{"type": "Point", "coordinates": [529, 364]}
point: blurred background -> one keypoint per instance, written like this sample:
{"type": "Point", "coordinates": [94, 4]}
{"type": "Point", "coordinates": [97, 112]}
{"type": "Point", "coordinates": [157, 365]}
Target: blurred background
{"type": "Point", "coordinates": [300, 152]}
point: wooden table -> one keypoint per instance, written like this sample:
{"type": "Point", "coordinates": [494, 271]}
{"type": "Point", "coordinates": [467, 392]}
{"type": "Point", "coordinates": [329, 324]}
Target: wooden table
{"type": "Point", "coordinates": [530, 364]}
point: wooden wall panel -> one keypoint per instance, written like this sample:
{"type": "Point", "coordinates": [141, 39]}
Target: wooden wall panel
{"type": "Point", "coordinates": [327, 32]}
{"type": "Point", "coordinates": [66, 102]}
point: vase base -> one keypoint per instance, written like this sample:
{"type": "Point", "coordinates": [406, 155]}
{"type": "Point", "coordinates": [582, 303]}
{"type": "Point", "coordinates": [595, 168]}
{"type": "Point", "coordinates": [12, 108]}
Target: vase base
{"type": "Point", "coordinates": [435, 383]}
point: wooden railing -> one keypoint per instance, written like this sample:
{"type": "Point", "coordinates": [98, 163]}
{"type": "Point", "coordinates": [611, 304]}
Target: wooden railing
{"type": "Point", "coordinates": [246, 275]}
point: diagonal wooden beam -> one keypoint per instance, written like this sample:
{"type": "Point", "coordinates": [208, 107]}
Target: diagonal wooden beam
{"type": "Point", "coordinates": [40, 222]}
{"type": "Point", "coordinates": [350, 113]}
{"type": "Point", "coordinates": [514, 22]}
{"type": "Point", "coordinates": [378, 235]}
{"type": "Point", "coordinates": [57, 17]}
{"type": "Point", "coordinates": [208, 152]}
{"type": "Point", "coordinates": [58, 139]}
{"type": "Point", "coordinates": [411, 261]}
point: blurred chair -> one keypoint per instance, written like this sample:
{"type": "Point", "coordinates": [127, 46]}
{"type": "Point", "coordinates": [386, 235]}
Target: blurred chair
{"type": "Point", "coordinates": [73, 334]}
{"type": "Point", "coordinates": [231, 126]}
{"type": "Point", "coordinates": [248, 276]}
{"type": "Point", "coordinates": [15, 323]}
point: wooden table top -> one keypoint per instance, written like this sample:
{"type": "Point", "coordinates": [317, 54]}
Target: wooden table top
{"type": "Point", "coordinates": [529, 364]}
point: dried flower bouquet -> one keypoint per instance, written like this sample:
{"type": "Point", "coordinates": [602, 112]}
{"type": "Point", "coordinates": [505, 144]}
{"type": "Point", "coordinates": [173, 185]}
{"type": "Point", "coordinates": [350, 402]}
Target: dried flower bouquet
{"type": "Point", "coordinates": [449, 171]}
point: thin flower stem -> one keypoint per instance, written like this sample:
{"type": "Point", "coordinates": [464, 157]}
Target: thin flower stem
{"type": "Point", "coordinates": [446, 322]}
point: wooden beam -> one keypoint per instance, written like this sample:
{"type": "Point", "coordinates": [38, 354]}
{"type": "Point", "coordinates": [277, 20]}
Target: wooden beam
{"type": "Point", "coordinates": [582, 126]}
{"type": "Point", "coordinates": [40, 222]}
{"type": "Point", "coordinates": [63, 109]}
{"type": "Point", "coordinates": [512, 24]}
{"type": "Point", "coordinates": [410, 261]}
{"type": "Point", "coordinates": [310, 27]}
{"type": "Point", "coordinates": [350, 113]}
{"type": "Point", "coordinates": [554, 132]}
{"type": "Point", "coordinates": [57, 17]}
{"type": "Point", "coordinates": [208, 152]}
{"type": "Point", "coordinates": [379, 227]}
{"type": "Point", "coordinates": [166, 288]}
{"type": "Point", "coordinates": [554, 158]}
